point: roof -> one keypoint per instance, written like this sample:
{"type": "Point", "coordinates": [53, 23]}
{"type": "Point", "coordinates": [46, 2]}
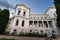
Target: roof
{"type": "Point", "coordinates": [22, 5]}
{"type": "Point", "coordinates": [38, 14]}
{"type": "Point", "coordinates": [49, 8]}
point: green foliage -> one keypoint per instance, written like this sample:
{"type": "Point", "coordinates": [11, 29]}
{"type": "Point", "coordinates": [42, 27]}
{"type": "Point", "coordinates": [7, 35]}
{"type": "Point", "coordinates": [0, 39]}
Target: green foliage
{"type": "Point", "coordinates": [32, 35]}
{"type": "Point", "coordinates": [4, 17]}
{"type": "Point", "coordinates": [0, 9]}
{"type": "Point", "coordinates": [57, 5]}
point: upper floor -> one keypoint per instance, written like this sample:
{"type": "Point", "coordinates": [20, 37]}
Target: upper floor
{"type": "Point", "coordinates": [22, 10]}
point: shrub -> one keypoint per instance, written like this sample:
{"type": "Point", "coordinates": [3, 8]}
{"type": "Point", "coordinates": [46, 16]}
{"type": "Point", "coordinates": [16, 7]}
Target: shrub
{"type": "Point", "coordinates": [32, 35]}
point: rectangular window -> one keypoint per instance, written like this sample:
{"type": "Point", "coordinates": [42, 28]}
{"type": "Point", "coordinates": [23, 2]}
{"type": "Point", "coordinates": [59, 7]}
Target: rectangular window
{"type": "Point", "coordinates": [24, 13]}
{"type": "Point", "coordinates": [18, 12]}
{"type": "Point", "coordinates": [23, 23]}
{"type": "Point", "coordinates": [17, 21]}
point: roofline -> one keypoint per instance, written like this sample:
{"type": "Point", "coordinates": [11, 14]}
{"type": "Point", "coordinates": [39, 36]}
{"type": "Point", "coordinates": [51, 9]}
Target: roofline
{"type": "Point", "coordinates": [36, 14]}
{"type": "Point", "coordinates": [49, 8]}
{"type": "Point", "coordinates": [39, 14]}
{"type": "Point", "coordinates": [22, 5]}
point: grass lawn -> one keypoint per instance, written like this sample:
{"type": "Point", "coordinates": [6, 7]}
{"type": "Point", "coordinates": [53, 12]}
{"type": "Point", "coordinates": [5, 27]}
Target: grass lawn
{"type": "Point", "coordinates": [5, 39]}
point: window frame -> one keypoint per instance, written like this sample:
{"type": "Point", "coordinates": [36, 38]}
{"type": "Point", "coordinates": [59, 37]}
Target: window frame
{"type": "Point", "coordinates": [19, 12]}
{"type": "Point", "coordinates": [17, 22]}
{"type": "Point", "coordinates": [23, 23]}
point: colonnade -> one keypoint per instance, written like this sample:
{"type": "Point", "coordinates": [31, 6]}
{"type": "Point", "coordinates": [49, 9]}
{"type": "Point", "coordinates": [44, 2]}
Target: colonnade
{"type": "Point", "coordinates": [40, 23]}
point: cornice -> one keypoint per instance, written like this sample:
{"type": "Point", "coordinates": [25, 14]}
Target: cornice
{"type": "Point", "coordinates": [50, 7]}
{"type": "Point", "coordinates": [22, 5]}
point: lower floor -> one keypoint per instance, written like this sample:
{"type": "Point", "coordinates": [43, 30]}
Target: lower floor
{"type": "Point", "coordinates": [39, 30]}
{"type": "Point", "coordinates": [41, 27]}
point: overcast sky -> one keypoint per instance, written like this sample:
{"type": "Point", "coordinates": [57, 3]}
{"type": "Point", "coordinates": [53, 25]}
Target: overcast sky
{"type": "Point", "coordinates": [37, 6]}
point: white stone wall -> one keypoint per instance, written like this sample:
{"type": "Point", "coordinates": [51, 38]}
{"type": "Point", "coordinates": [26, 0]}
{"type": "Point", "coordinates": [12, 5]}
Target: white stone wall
{"type": "Point", "coordinates": [39, 16]}
{"type": "Point", "coordinates": [20, 17]}
{"type": "Point", "coordinates": [22, 9]}
{"type": "Point", "coordinates": [51, 11]}
{"type": "Point", "coordinates": [31, 17]}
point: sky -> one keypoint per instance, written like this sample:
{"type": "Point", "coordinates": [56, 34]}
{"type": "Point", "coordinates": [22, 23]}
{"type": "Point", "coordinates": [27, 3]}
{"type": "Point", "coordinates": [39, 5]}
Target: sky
{"type": "Point", "coordinates": [36, 6]}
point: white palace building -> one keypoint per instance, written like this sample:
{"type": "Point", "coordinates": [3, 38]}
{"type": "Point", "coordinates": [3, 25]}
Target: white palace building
{"type": "Point", "coordinates": [25, 22]}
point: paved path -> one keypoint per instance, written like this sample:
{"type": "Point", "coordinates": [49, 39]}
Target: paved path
{"type": "Point", "coordinates": [58, 37]}
{"type": "Point", "coordinates": [21, 37]}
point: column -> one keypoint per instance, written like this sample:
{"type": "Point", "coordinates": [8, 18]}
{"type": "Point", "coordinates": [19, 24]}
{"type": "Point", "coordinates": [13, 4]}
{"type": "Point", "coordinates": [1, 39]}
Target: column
{"type": "Point", "coordinates": [43, 23]}
{"type": "Point", "coordinates": [48, 24]}
{"type": "Point", "coordinates": [33, 23]}
{"type": "Point", "coordinates": [37, 23]}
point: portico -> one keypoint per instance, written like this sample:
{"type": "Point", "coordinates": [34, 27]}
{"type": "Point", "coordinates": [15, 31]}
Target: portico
{"type": "Point", "coordinates": [40, 24]}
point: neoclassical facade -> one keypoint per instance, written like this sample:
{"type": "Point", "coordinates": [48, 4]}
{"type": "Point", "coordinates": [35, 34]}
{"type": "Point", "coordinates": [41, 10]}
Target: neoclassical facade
{"type": "Point", "coordinates": [24, 21]}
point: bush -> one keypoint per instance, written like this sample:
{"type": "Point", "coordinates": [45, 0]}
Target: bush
{"type": "Point", "coordinates": [6, 33]}
{"type": "Point", "coordinates": [32, 35]}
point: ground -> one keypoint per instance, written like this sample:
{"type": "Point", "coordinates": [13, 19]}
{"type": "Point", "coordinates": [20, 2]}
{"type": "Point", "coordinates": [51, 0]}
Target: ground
{"type": "Point", "coordinates": [24, 38]}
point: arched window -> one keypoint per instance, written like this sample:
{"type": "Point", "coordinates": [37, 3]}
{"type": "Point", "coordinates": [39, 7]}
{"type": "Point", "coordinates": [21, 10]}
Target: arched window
{"type": "Point", "coordinates": [17, 21]}
{"type": "Point", "coordinates": [18, 12]}
{"type": "Point", "coordinates": [24, 13]}
{"type": "Point", "coordinates": [23, 23]}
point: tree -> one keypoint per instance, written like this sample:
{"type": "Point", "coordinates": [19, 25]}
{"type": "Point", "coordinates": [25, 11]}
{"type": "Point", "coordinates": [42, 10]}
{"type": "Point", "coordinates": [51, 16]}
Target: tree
{"type": "Point", "coordinates": [4, 17]}
{"type": "Point", "coordinates": [0, 9]}
{"type": "Point", "coordinates": [57, 6]}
